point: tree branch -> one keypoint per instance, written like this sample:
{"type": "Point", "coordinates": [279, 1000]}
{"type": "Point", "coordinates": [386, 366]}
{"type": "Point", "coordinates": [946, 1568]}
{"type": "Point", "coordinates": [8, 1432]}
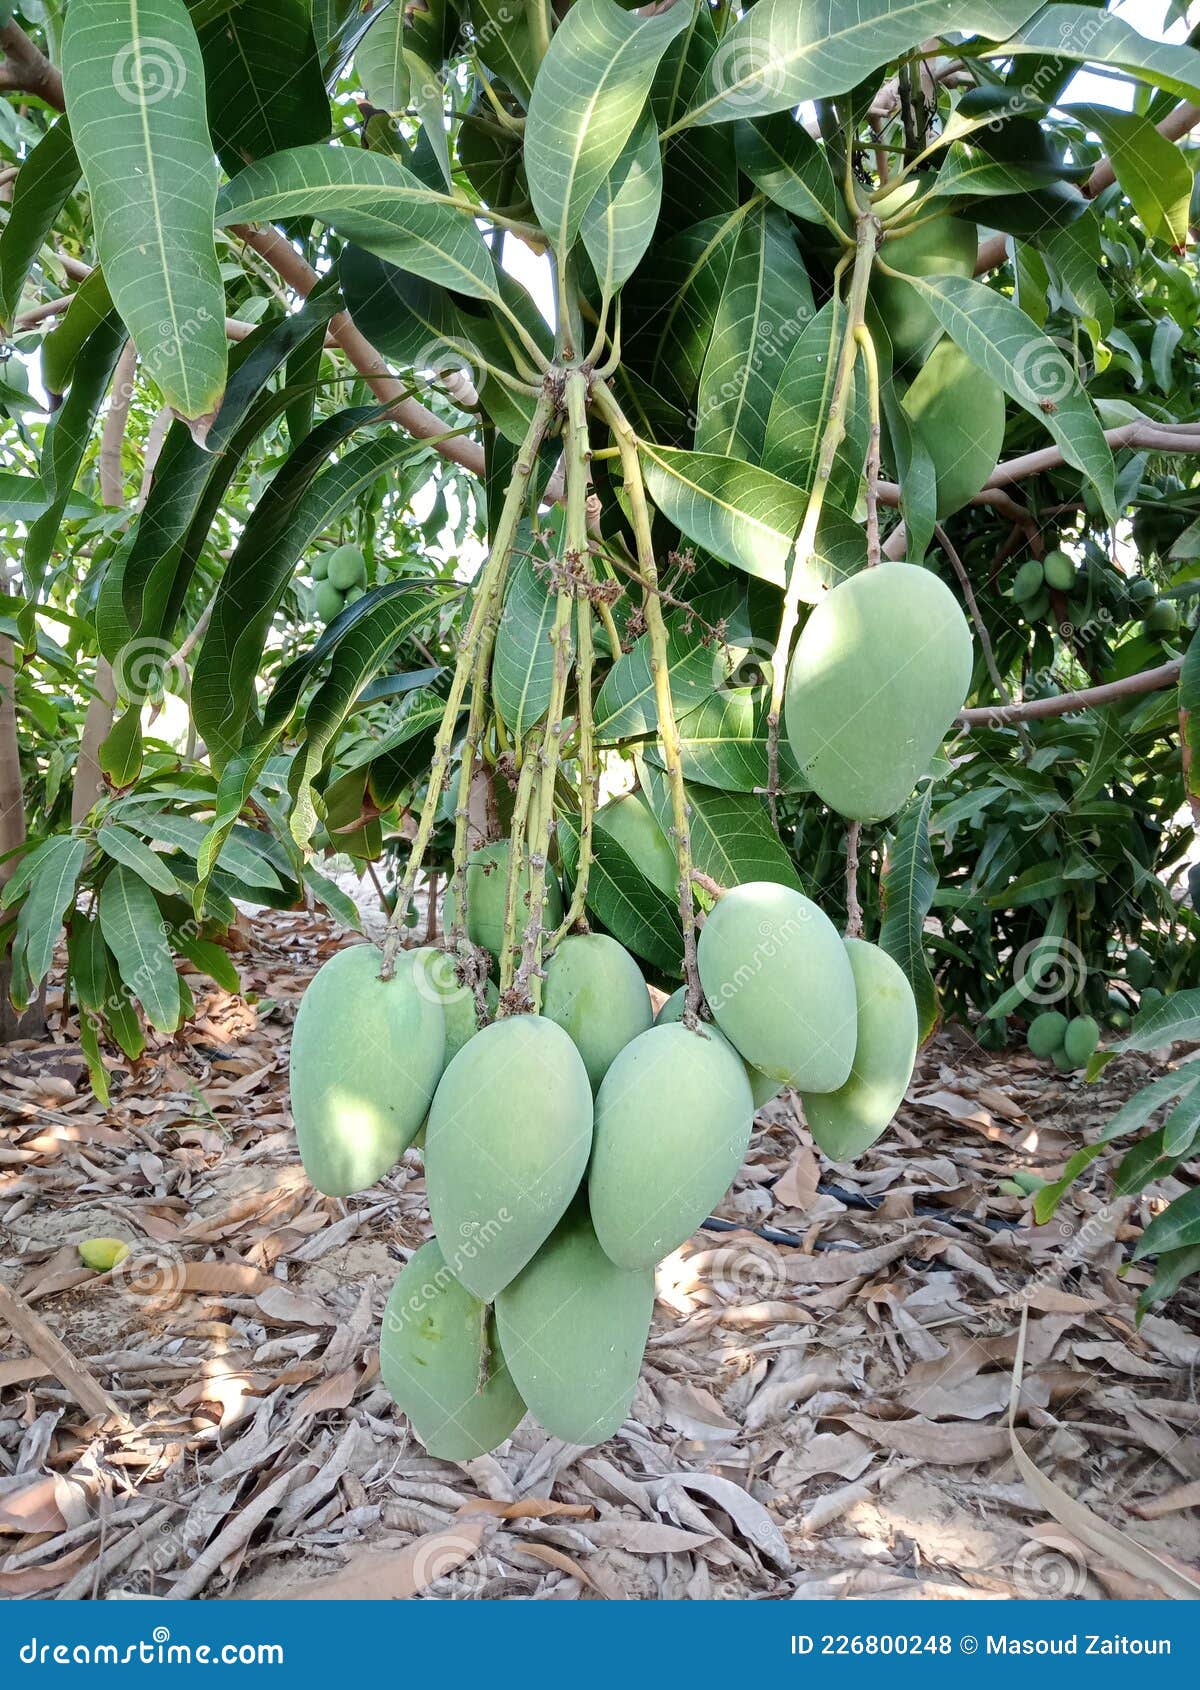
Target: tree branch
{"type": "Point", "coordinates": [26, 69]}
{"type": "Point", "coordinates": [1090, 698]}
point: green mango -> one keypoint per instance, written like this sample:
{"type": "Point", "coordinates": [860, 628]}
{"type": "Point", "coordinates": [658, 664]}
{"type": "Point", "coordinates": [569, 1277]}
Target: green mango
{"type": "Point", "coordinates": [1059, 571]}
{"type": "Point", "coordinates": [487, 887]}
{"type": "Point", "coordinates": [573, 1326]}
{"type": "Point", "coordinates": [845, 1122]}
{"type": "Point", "coordinates": [944, 246]}
{"type": "Point", "coordinates": [328, 601]}
{"type": "Point", "coordinates": [878, 675]}
{"type": "Point", "coordinates": [595, 992]}
{"type": "Point", "coordinates": [365, 1060]}
{"type": "Point", "coordinates": [347, 568]}
{"type": "Point", "coordinates": [1081, 1038]}
{"type": "Point", "coordinates": [629, 822]}
{"type": "Point", "coordinates": [673, 1120]}
{"type": "Point", "coordinates": [320, 568]}
{"type": "Point", "coordinates": [1162, 618]}
{"type": "Point", "coordinates": [762, 1087]}
{"type": "Point", "coordinates": [435, 972]}
{"type": "Point", "coordinates": [1139, 968]}
{"type": "Point", "coordinates": [959, 411]}
{"type": "Point", "coordinates": [506, 1146]}
{"type": "Point", "coordinates": [780, 986]}
{"type": "Point", "coordinates": [430, 1351]}
{"type": "Point", "coordinates": [1028, 581]}
{"type": "Point", "coordinates": [1046, 1032]}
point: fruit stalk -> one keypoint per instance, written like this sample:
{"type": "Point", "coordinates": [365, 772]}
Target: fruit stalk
{"type": "Point", "coordinates": [866, 347]}
{"type": "Point", "coordinates": [491, 573]}
{"type": "Point", "coordinates": [516, 862]}
{"type": "Point", "coordinates": [668, 731]}
{"type": "Point", "coordinates": [588, 773]}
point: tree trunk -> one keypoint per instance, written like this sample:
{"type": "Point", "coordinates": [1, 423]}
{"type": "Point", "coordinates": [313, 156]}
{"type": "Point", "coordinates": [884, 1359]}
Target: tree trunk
{"type": "Point", "coordinates": [12, 837]}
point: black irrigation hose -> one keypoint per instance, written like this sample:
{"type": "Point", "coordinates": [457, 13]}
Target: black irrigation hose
{"type": "Point", "coordinates": [852, 1200]}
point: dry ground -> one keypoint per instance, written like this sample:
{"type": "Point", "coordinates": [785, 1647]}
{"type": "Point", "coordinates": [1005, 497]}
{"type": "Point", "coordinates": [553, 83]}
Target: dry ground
{"type": "Point", "coordinates": [822, 1409]}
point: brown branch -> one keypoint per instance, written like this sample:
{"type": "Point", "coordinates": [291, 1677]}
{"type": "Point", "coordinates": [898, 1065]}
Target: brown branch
{"type": "Point", "coordinates": [367, 360]}
{"type": "Point", "coordinates": [26, 69]}
{"type": "Point", "coordinates": [1090, 698]}
{"type": "Point", "coordinates": [83, 1385]}
{"type": "Point", "coordinates": [1145, 434]}
{"type": "Point", "coordinates": [854, 914]}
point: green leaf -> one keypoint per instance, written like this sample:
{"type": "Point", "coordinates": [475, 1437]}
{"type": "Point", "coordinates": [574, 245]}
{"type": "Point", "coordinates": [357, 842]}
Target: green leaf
{"type": "Point", "coordinates": [265, 87]}
{"type": "Point", "coordinates": [245, 853]}
{"type": "Point", "coordinates": [765, 304]}
{"type": "Point", "coordinates": [62, 346]}
{"type": "Point", "coordinates": [724, 742]}
{"type": "Point", "coordinates": [1182, 1124]}
{"type": "Point", "coordinates": [1177, 1228]}
{"type": "Point", "coordinates": [87, 962]}
{"type": "Point", "coordinates": [740, 513]}
{"type": "Point", "coordinates": [781, 53]}
{"type": "Point", "coordinates": [379, 60]}
{"type": "Point", "coordinates": [618, 224]}
{"type": "Point", "coordinates": [523, 657]}
{"type": "Point", "coordinates": [625, 706]}
{"type": "Point", "coordinates": [1001, 339]}
{"type": "Point", "coordinates": [125, 847]}
{"type": "Point", "coordinates": [237, 782]}
{"type": "Point", "coordinates": [906, 891]}
{"type": "Point", "coordinates": [503, 43]}
{"type": "Point", "coordinates": [784, 162]}
{"type": "Point", "coordinates": [635, 911]}
{"type": "Point", "coordinates": [428, 94]}
{"type": "Point", "coordinates": [135, 933]}
{"type": "Point", "coordinates": [44, 183]}
{"type": "Point", "coordinates": [1091, 36]}
{"type": "Point", "coordinates": [1152, 170]}
{"type": "Point", "coordinates": [733, 841]}
{"type": "Point", "coordinates": [341, 907]}
{"type": "Point", "coordinates": [800, 409]}
{"type": "Point", "coordinates": [586, 101]}
{"type": "Point", "coordinates": [372, 200]}
{"type": "Point", "coordinates": [134, 82]}
{"type": "Point", "coordinates": [210, 959]}
{"type": "Point", "coordinates": [1165, 1022]}
{"type": "Point", "coordinates": [1170, 1270]}
{"type": "Point", "coordinates": [51, 892]}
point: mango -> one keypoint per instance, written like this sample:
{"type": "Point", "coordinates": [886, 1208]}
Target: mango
{"type": "Point", "coordinates": [573, 1326]}
{"type": "Point", "coordinates": [1080, 1039]}
{"type": "Point", "coordinates": [595, 992]}
{"type": "Point", "coordinates": [366, 1058]}
{"type": "Point", "coordinates": [959, 411]}
{"type": "Point", "coordinates": [1028, 581]}
{"type": "Point", "coordinates": [878, 675]}
{"type": "Point", "coordinates": [780, 986]}
{"type": "Point", "coordinates": [430, 1350]}
{"type": "Point", "coordinates": [673, 1119]}
{"type": "Point", "coordinates": [1046, 1032]}
{"type": "Point", "coordinates": [487, 886]}
{"type": "Point", "coordinates": [1059, 571]}
{"type": "Point", "coordinates": [1139, 968]}
{"type": "Point", "coordinates": [102, 1254]}
{"type": "Point", "coordinates": [320, 569]}
{"type": "Point", "coordinates": [845, 1122]}
{"type": "Point", "coordinates": [506, 1146]}
{"type": "Point", "coordinates": [329, 601]}
{"type": "Point", "coordinates": [762, 1087]}
{"type": "Point", "coordinates": [630, 822]}
{"type": "Point", "coordinates": [943, 246]}
{"type": "Point", "coordinates": [346, 568]}
{"type": "Point", "coordinates": [434, 972]}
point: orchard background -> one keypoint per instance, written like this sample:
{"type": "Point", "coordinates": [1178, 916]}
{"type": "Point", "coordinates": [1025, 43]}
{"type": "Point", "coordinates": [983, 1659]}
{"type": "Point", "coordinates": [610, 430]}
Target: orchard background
{"type": "Point", "coordinates": [542, 481]}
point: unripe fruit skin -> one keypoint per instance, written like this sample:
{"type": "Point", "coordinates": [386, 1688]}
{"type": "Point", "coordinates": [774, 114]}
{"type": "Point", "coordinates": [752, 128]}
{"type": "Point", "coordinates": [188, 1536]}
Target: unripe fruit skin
{"type": "Point", "coordinates": [630, 822]}
{"type": "Point", "coordinates": [102, 1254]}
{"type": "Point", "coordinates": [673, 1120]}
{"type": "Point", "coordinates": [959, 411]}
{"type": "Point", "coordinates": [1080, 1040]}
{"type": "Point", "coordinates": [1046, 1032]}
{"type": "Point", "coordinates": [595, 992]}
{"type": "Point", "coordinates": [1028, 581]}
{"type": "Point", "coordinates": [366, 1056]}
{"type": "Point", "coordinates": [1059, 571]}
{"type": "Point", "coordinates": [846, 1122]}
{"type": "Point", "coordinates": [878, 675]}
{"type": "Point", "coordinates": [1139, 968]}
{"type": "Point", "coordinates": [780, 986]}
{"type": "Point", "coordinates": [429, 1357]}
{"type": "Point", "coordinates": [1163, 618]}
{"type": "Point", "coordinates": [506, 1146]}
{"type": "Point", "coordinates": [573, 1326]}
{"type": "Point", "coordinates": [329, 601]}
{"type": "Point", "coordinates": [347, 568]}
{"type": "Point", "coordinates": [434, 972]}
{"type": "Point", "coordinates": [762, 1087]}
{"type": "Point", "coordinates": [487, 885]}
{"type": "Point", "coordinates": [944, 246]}
{"type": "Point", "coordinates": [320, 570]}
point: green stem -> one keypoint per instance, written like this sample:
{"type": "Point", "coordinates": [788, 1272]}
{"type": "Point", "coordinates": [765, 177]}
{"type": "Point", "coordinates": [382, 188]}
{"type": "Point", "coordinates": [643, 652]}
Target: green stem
{"type": "Point", "coordinates": [490, 575]}
{"type": "Point", "coordinates": [668, 732]}
{"type": "Point", "coordinates": [588, 773]}
{"type": "Point", "coordinates": [516, 862]}
{"type": "Point", "coordinates": [866, 347]}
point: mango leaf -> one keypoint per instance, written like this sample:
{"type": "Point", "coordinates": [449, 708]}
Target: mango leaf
{"type": "Point", "coordinates": [125, 847]}
{"type": "Point", "coordinates": [341, 907]}
{"type": "Point", "coordinates": [625, 706]}
{"type": "Point", "coordinates": [135, 933]}
{"type": "Point", "coordinates": [800, 409]}
{"type": "Point", "coordinates": [740, 513]}
{"type": "Point", "coordinates": [1182, 1125]}
{"type": "Point", "coordinates": [765, 304]}
{"type": "Point", "coordinates": [669, 325]}
{"type": "Point", "coordinates": [523, 657]}
{"type": "Point", "coordinates": [265, 87]}
{"type": "Point", "coordinates": [699, 174]}
{"type": "Point", "coordinates": [62, 346]}
{"type": "Point", "coordinates": [586, 101]}
{"type": "Point", "coordinates": [503, 42]}
{"type": "Point", "coordinates": [237, 781]}
{"type": "Point", "coordinates": [1001, 339]}
{"type": "Point", "coordinates": [1165, 1022]}
{"type": "Point", "coordinates": [51, 891]}
{"type": "Point", "coordinates": [781, 53]}
{"type": "Point", "coordinates": [372, 200]}
{"type": "Point", "coordinates": [44, 183]}
{"type": "Point", "coordinates": [379, 59]}
{"type": "Point", "coordinates": [134, 82]}
{"type": "Point", "coordinates": [617, 225]}
{"type": "Point", "coordinates": [1171, 1268]}
{"type": "Point", "coordinates": [907, 890]}
{"type": "Point", "coordinates": [1089, 36]}
{"type": "Point", "coordinates": [732, 838]}
{"type": "Point", "coordinates": [246, 853]}
{"type": "Point", "coordinates": [1177, 1228]}
{"type": "Point", "coordinates": [723, 743]}
{"type": "Point", "coordinates": [1150, 168]}
{"type": "Point", "coordinates": [427, 91]}
{"type": "Point", "coordinates": [209, 958]}
{"type": "Point", "coordinates": [87, 965]}
{"type": "Point", "coordinates": [784, 162]}
{"type": "Point", "coordinates": [635, 911]}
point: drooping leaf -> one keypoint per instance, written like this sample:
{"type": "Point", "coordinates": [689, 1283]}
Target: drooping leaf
{"type": "Point", "coordinates": [135, 933]}
{"type": "Point", "coordinates": [504, 44]}
{"type": "Point", "coordinates": [733, 841]}
{"type": "Point", "coordinates": [62, 346]}
{"type": "Point", "coordinates": [265, 87]}
{"type": "Point", "coordinates": [1177, 1228]}
{"type": "Point", "coordinates": [733, 509]}
{"type": "Point", "coordinates": [620, 220]}
{"type": "Point", "coordinates": [800, 409]}
{"type": "Point", "coordinates": [125, 847]}
{"type": "Point", "coordinates": [379, 59]}
{"type": "Point", "coordinates": [784, 162]}
{"type": "Point", "coordinates": [1150, 168]}
{"type": "Point", "coordinates": [625, 706]}
{"type": "Point", "coordinates": [1091, 36]}
{"type": "Point", "coordinates": [907, 891]}
{"type": "Point", "coordinates": [586, 101]}
{"type": "Point", "coordinates": [523, 656]}
{"type": "Point", "coordinates": [134, 81]}
{"type": "Point", "coordinates": [51, 891]}
{"type": "Point", "coordinates": [43, 185]}
{"type": "Point", "coordinates": [372, 200]}
{"type": "Point", "coordinates": [1166, 1022]}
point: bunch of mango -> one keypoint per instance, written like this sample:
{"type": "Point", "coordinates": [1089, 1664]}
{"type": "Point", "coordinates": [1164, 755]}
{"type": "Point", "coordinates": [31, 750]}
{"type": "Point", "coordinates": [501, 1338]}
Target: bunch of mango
{"type": "Point", "coordinates": [1068, 1042]}
{"type": "Point", "coordinates": [341, 578]}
